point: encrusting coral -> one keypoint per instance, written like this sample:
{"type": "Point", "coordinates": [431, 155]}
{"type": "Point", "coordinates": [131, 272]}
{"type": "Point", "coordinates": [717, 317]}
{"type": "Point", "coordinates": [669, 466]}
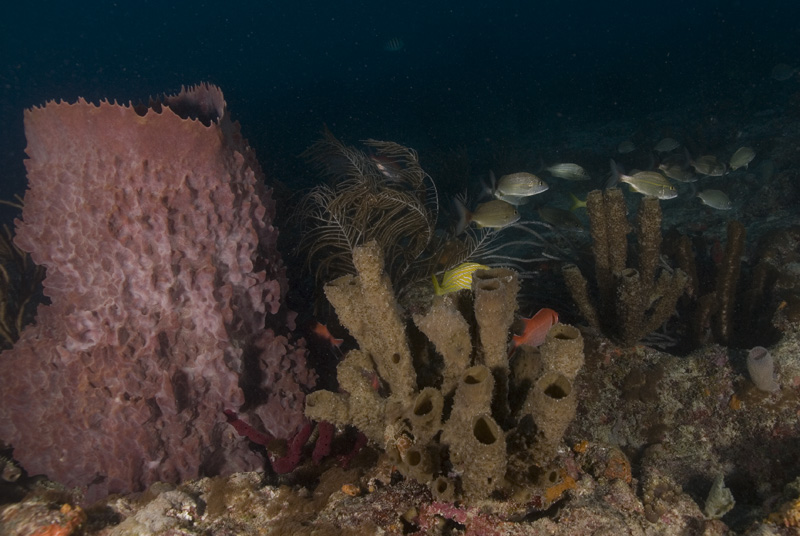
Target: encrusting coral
{"type": "Point", "coordinates": [469, 437]}
{"type": "Point", "coordinates": [155, 229]}
{"type": "Point", "coordinates": [630, 302]}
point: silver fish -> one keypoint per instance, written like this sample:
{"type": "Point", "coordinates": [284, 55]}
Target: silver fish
{"type": "Point", "coordinates": [515, 200]}
{"type": "Point", "coordinates": [666, 145]}
{"type": "Point", "coordinates": [708, 165]}
{"type": "Point", "coordinates": [782, 72]}
{"type": "Point", "coordinates": [494, 214]}
{"type": "Point", "coordinates": [649, 183]}
{"type": "Point", "coordinates": [715, 199]}
{"type": "Point", "coordinates": [570, 172]}
{"type": "Point", "coordinates": [742, 157]}
{"type": "Point", "coordinates": [677, 172]}
{"type": "Point", "coordinates": [626, 147]}
{"type": "Point", "coordinates": [560, 217]}
{"type": "Point", "coordinates": [519, 185]}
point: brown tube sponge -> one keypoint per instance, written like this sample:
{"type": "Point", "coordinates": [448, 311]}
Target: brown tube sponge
{"type": "Point", "coordinates": [685, 257]}
{"type": "Point", "coordinates": [473, 394]}
{"type": "Point", "coordinates": [595, 208]}
{"type": "Point", "coordinates": [702, 318]}
{"type": "Point", "coordinates": [443, 490]}
{"type": "Point", "coordinates": [578, 289]}
{"type": "Point", "coordinates": [419, 463]}
{"type": "Point", "coordinates": [328, 406]}
{"type": "Point", "coordinates": [366, 306]}
{"type": "Point", "coordinates": [648, 234]}
{"type": "Point", "coordinates": [365, 408]}
{"type": "Point", "coordinates": [606, 210]}
{"type": "Point", "coordinates": [357, 375]}
{"type": "Point", "coordinates": [446, 328]}
{"type": "Point", "coordinates": [495, 304]}
{"type": "Point", "coordinates": [552, 403]}
{"type": "Point", "coordinates": [664, 299]}
{"type": "Point", "coordinates": [727, 279]}
{"type": "Point", "coordinates": [562, 350]}
{"type": "Point", "coordinates": [617, 229]}
{"type": "Point", "coordinates": [478, 452]}
{"type": "Point", "coordinates": [495, 293]}
{"type": "Point", "coordinates": [426, 414]}
{"type": "Point", "coordinates": [630, 306]}
{"type": "Point", "coordinates": [630, 303]}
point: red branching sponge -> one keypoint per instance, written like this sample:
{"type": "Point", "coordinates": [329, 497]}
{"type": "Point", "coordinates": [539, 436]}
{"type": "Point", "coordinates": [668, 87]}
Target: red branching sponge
{"type": "Point", "coordinates": [155, 229]}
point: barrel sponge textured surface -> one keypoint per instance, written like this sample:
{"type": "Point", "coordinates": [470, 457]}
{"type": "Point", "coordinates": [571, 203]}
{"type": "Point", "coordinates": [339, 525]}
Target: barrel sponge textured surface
{"type": "Point", "coordinates": [155, 229]}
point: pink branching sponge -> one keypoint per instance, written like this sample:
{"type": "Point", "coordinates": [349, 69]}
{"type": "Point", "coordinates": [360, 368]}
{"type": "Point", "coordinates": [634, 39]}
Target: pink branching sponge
{"type": "Point", "coordinates": [165, 285]}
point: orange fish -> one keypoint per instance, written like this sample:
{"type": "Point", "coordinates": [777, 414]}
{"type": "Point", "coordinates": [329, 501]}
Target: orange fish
{"type": "Point", "coordinates": [536, 328]}
{"type": "Point", "coordinates": [321, 331]}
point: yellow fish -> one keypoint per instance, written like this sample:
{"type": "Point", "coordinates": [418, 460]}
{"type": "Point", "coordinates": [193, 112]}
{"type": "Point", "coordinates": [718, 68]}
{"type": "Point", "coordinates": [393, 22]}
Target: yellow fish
{"type": "Point", "coordinates": [458, 278]}
{"type": "Point", "coordinates": [576, 203]}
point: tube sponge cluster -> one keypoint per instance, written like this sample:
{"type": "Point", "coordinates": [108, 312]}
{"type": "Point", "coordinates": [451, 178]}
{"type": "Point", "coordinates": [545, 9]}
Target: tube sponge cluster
{"type": "Point", "coordinates": [630, 302]}
{"type": "Point", "coordinates": [483, 426]}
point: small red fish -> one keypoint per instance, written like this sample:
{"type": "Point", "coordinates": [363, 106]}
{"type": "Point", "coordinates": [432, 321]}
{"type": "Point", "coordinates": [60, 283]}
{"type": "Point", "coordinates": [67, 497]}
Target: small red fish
{"type": "Point", "coordinates": [321, 331]}
{"type": "Point", "coordinates": [536, 328]}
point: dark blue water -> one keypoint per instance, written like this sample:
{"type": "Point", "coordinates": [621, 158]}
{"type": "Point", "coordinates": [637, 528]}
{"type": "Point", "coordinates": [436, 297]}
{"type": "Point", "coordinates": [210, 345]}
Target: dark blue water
{"type": "Point", "coordinates": [467, 72]}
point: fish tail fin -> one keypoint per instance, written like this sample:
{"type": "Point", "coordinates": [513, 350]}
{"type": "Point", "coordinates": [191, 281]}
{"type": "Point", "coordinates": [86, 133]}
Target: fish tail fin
{"type": "Point", "coordinates": [511, 348]}
{"type": "Point", "coordinates": [492, 182]}
{"type": "Point", "coordinates": [463, 216]}
{"type": "Point", "coordinates": [436, 288]}
{"type": "Point", "coordinates": [688, 156]}
{"type": "Point", "coordinates": [576, 202]}
{"type": "Point", "coordinates": [615, 175]}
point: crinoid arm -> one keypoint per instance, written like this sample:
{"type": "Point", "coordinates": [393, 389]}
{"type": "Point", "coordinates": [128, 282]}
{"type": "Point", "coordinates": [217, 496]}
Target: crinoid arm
{"type": "Point", "coordinates": [380, 194]}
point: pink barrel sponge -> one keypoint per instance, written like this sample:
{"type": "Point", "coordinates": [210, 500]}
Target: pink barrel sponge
{"type": "Point", "coordinates": [156, 231]}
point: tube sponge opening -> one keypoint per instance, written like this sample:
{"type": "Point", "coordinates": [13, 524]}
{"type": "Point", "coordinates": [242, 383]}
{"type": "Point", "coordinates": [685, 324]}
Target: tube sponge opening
{"type": "Point", "coordinates": [443, 489]}
{"type": "Point", "coordinates": [426, 415]}
{"type": "Point", "coordinates": [552, 403]}
{"type": "Point", "coordinates": [484, 431]}
{"type": "Point", "coordinates": [478, 452]}
{"type": "Point", "coordinates": [563, 350]}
